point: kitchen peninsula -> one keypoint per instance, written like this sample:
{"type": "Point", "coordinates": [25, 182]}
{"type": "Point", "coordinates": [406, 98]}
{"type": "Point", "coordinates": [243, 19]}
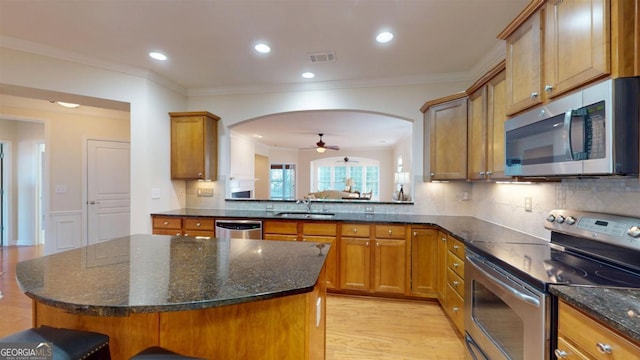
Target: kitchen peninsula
{"type": "Point", "coordinates": [211, 298]}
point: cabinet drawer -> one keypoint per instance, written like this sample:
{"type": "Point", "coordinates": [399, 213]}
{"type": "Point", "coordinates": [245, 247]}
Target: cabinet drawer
{"type": "Point", "coordinates": [569, 352]}
{"type": "Point", "coordinates": [455, 308]}
{"type": "Point", "coordinates": [319, 228]}
{"type": "Point", "coordinates": [167, 222]}
{"type": "Point", "coordinates": [456, 264]}
{"type": "Point", "coordinates": [198, 224]}
{"type": "Point", "coordinates": [390, 231]}
{"type": "Point", "coordinates": [456, 282]}
{"type": "Point", "coordinates": [456, 246]}
{"type": "Point", "coordinates": [280, 227]}
{"type": "Point", "coordinates": [588, 335]}
{"type": "Point", "coordinates": [355, 230]}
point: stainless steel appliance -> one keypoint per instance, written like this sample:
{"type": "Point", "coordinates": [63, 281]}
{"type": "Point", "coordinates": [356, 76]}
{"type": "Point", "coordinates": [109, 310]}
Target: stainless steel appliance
{"type": "Point", "coordinates": [509, 313]}
{"type": "Point", "coordinates": [592, 132]}
{"type": "Point", "coordinates": [239, 229]}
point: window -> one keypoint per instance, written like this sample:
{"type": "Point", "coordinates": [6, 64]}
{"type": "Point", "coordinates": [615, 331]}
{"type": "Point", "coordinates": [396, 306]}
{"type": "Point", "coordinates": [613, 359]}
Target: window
{"type": "Point", "coordinates": [332, 174]}
{"type": "Point", "coordinates": [282, 181]}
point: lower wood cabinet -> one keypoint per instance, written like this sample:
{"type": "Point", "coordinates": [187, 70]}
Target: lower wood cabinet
{"type": "Point", "coordinates": [183, 226]}
{"type": "Point", "coordinates": [582, 337]}
{"type": "Point", "coordinates": [280, 230]}
{"type": "Point", "coordinates": [453, 303]}
{"type": "Point", "coordinates": [326, 233]}
{"type": "Point", "coordinates": [373, 263]}
{"type": "Point", "coordinates": [424, 261]}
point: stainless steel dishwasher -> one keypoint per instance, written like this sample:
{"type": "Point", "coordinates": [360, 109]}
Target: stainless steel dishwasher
{"type": "Point", "coordinates": [239, 229]}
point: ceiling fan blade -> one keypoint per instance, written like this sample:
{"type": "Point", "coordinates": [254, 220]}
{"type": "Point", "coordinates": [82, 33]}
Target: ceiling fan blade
{"type": "Point", "coordinates": [332, 147]}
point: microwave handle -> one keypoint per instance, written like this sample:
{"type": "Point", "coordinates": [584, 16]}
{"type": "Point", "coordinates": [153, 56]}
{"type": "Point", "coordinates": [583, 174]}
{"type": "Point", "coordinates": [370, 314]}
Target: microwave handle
{"type": "Point", "coordinates": [568, 150]}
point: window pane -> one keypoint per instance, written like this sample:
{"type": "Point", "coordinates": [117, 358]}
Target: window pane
{"type": "Point", "coordinates": [372, 178]}
{"type": "Point", "coordinates": [324, 178]}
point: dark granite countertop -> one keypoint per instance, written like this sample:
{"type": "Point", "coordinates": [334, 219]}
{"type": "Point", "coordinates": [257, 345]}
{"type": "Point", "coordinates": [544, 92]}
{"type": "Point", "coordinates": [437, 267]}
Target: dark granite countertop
{"type": "Point", "coordinates": [157, 273]}
{"type": "Point", "coordinates": [617, 307]}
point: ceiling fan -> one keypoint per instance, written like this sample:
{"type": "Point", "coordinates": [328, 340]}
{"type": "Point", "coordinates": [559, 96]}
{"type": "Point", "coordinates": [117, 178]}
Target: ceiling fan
{"type": "Point", "coordinates": [322, 147]}
{"type": "Point", "coordinates": [347, 160]}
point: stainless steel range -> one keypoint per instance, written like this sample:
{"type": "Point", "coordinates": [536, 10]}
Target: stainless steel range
{"type": "Point", "coordinates": [509, 309]}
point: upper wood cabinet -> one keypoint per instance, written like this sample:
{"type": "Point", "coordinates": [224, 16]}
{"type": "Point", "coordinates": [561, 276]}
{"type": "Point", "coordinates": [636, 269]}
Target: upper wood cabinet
{"type": "Point", "coordinates": [576, 38]}
{"type": "Point", "coordinates": [555, 46]}
{"type": "Point", "coordinates": [194, 145]}
{"type": "Point", "coordinates": [486, 117]}
{"type": "Point", "coordinates": [524, 64]}
{"type": "Point", "coordinates": [446, 128]}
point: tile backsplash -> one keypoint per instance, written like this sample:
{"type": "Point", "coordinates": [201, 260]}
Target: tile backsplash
{"type": "Point", "coordinates": [502, 204]}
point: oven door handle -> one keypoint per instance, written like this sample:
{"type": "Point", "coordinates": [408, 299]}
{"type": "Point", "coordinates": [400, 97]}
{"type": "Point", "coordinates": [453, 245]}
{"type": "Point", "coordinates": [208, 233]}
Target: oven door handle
{"type": "Point", "coordinates": [524, 297]}
{"type": "Point", "coordinates": [568, 148]}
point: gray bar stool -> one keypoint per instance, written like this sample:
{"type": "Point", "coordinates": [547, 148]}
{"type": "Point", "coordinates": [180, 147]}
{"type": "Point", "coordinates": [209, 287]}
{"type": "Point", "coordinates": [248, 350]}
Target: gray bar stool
{"type": "Point", "coordinates": [159, 353]}
{"type": "Point", "coordinates": [68, 344]}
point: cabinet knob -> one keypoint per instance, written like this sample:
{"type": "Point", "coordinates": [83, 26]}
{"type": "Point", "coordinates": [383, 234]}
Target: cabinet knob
{"type": "Point", "coordinates": [456, 247]}
{"type": "Point", "coordinates": [415, 233]}
{"type": "Point", "coordinates": [456, 283]}
{"type": "Point", "coordinates": [481, 173]}
{"type": "Point", "coordinates": [433, 174]}
{"type": "Point", "coordinates": [178, 234]}
{"type": "Point", "coordinates": [366, 243]}
{"type": "Point", "coordinates": [548, 88]}
{"type": "Point", "coordinates": [443, 238]}
{"type": "Point", "coordinates": [390, 232]}
{"type": "Point", "coordinates": [198, 224]}
{"type": "Point", "coordinates": [355, 230]}
{"type": "Point", "coordinates": [455, 265]}
{"type": "Point", "coordinates": [165, 223]}
{"type": "Point", "coordinates": [534, 95]}
{"type": "Point", "coordinates": [604, 348]}
{"type": "Point", "coordinates": [186, 234]}
{"type": "Point", "coordinates": [455, 308]}
{"type": "Point", "coordinates": [560, 354]}
{"type": "Point", "coordinates": [377, 244]}
{"type": "Point", "coordinates": [199, 175]}
{"type": "Point", "coordinates": [489, 173]}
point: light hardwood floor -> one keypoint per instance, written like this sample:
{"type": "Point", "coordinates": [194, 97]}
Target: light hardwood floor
{"type": "Point", "coordinates": [357, 327]}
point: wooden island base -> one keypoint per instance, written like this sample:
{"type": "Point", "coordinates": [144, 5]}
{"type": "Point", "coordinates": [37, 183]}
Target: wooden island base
{"type": "Point", "coordinates": [290, 327]}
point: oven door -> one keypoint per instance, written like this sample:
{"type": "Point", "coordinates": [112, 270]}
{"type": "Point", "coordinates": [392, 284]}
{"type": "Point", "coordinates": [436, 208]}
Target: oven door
{"type": "Point", "coordinates": [504, 317]}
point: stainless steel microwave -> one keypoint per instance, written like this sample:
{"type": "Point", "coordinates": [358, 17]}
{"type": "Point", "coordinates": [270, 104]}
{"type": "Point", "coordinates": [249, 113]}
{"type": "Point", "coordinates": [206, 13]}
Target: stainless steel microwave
{"type": "Point", "coordinates": [592, 132]}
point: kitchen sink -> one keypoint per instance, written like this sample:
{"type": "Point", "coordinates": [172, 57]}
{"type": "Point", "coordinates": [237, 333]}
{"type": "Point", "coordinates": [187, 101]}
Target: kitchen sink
{"type": "Point", "coordinates": [305, 215]}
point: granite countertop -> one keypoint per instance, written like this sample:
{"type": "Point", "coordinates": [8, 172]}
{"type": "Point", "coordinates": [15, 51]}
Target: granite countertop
{"type": "Point", "coordinates": [619, 308]}
{"type": "Point", "coordinates": [157, 273]}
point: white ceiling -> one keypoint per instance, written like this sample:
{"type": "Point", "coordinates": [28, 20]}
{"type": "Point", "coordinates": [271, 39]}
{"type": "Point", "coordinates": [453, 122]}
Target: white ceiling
{"type": "Point", "coordinates": [210, 43]}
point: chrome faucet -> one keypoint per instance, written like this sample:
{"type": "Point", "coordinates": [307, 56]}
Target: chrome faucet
{"type": "Point", "coordinates": [306, 202]}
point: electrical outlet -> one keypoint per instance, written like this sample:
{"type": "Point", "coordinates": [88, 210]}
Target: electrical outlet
{"type": "Point", "coordinates": [203, 192]}
{"type": "Point", "coordinates": [368, 209]}
{"type": "Point", "coordinates": [528, 203]}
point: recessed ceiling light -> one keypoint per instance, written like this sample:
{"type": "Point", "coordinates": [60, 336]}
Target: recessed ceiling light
{"type": "Point", "coordinates": [308, 75]}
{"type": "Point", "coordinates": [158, 56]}
{"type": "Point", "coordinates": [262, 48]}
{"type": "Point", "coordinates": [384, 37]}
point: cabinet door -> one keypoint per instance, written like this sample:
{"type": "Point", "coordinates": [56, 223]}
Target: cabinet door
{"type": "Point", "coordinates": [477, 127]}
{"type": "Point", "coordinates": [194, 146]}
{"type": "Point", "coordinates": [524, 65]}
{"type": "Point", "coordinates": [576, 44]}
{"type": "Point", "coordinates": [331, 264]}
{"type": "Point", "coordinates": [424, 262]}
{"type": "Point", "coordinates": [441, 280]}
{"type": "Point", "coordinates": [448, 140]}
{"type": "Point", "coordinates": [389, 266]}
{"type": "Point", "coordinates": [355, 263]}
{"type": "Point", "coordinates": [496, 116]}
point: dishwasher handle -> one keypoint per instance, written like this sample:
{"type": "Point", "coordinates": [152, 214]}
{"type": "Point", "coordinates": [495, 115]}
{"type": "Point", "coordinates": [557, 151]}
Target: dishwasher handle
{"type": "Point", "coordinates": [239, 225]}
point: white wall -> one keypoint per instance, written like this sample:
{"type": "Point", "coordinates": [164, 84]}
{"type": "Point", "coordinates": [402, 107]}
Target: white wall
{"type": "Point", "coordinates": [150, 101]}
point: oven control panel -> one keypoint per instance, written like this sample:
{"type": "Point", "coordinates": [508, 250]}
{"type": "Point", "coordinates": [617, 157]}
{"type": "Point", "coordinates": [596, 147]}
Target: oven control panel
{"type": "Point", "coordinates": [614, 229]}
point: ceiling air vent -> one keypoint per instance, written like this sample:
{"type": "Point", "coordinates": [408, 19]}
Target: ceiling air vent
{"type": "Point", "coordinates": [328, 56]}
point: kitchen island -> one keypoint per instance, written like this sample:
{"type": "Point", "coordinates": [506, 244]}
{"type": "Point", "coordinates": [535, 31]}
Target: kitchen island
{"type": "Point", "coordinates": [211, 298]}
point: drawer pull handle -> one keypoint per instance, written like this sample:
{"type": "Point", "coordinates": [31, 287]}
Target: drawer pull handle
{"type": "Point", "coordinates": [443, 238]}
{"type": "Point", "coordinates": [455, 265]}
{"type": "Point", "coordinates": [560, 354]}
{"type": "Point", "coordinates": [456, 247]}
{"type": "Point", "coordinates": [455, 308]}
{"type": "Point", "coordinates": [166, 223]}
{"type": "Point", "coordinates": [456, 283]}
{"type": "Point", "coordinates": [534, 95]}
{"type": "Point", "coordinates": [604, 348]}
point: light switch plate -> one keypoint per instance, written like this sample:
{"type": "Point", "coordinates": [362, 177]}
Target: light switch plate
{"type": "Point", "coordinates": [528, 203]}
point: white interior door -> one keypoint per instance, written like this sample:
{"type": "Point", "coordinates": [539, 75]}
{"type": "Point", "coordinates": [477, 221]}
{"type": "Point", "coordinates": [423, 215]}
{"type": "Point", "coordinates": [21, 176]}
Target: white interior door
{"type": "Point", "coordinates": [108, 194]}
